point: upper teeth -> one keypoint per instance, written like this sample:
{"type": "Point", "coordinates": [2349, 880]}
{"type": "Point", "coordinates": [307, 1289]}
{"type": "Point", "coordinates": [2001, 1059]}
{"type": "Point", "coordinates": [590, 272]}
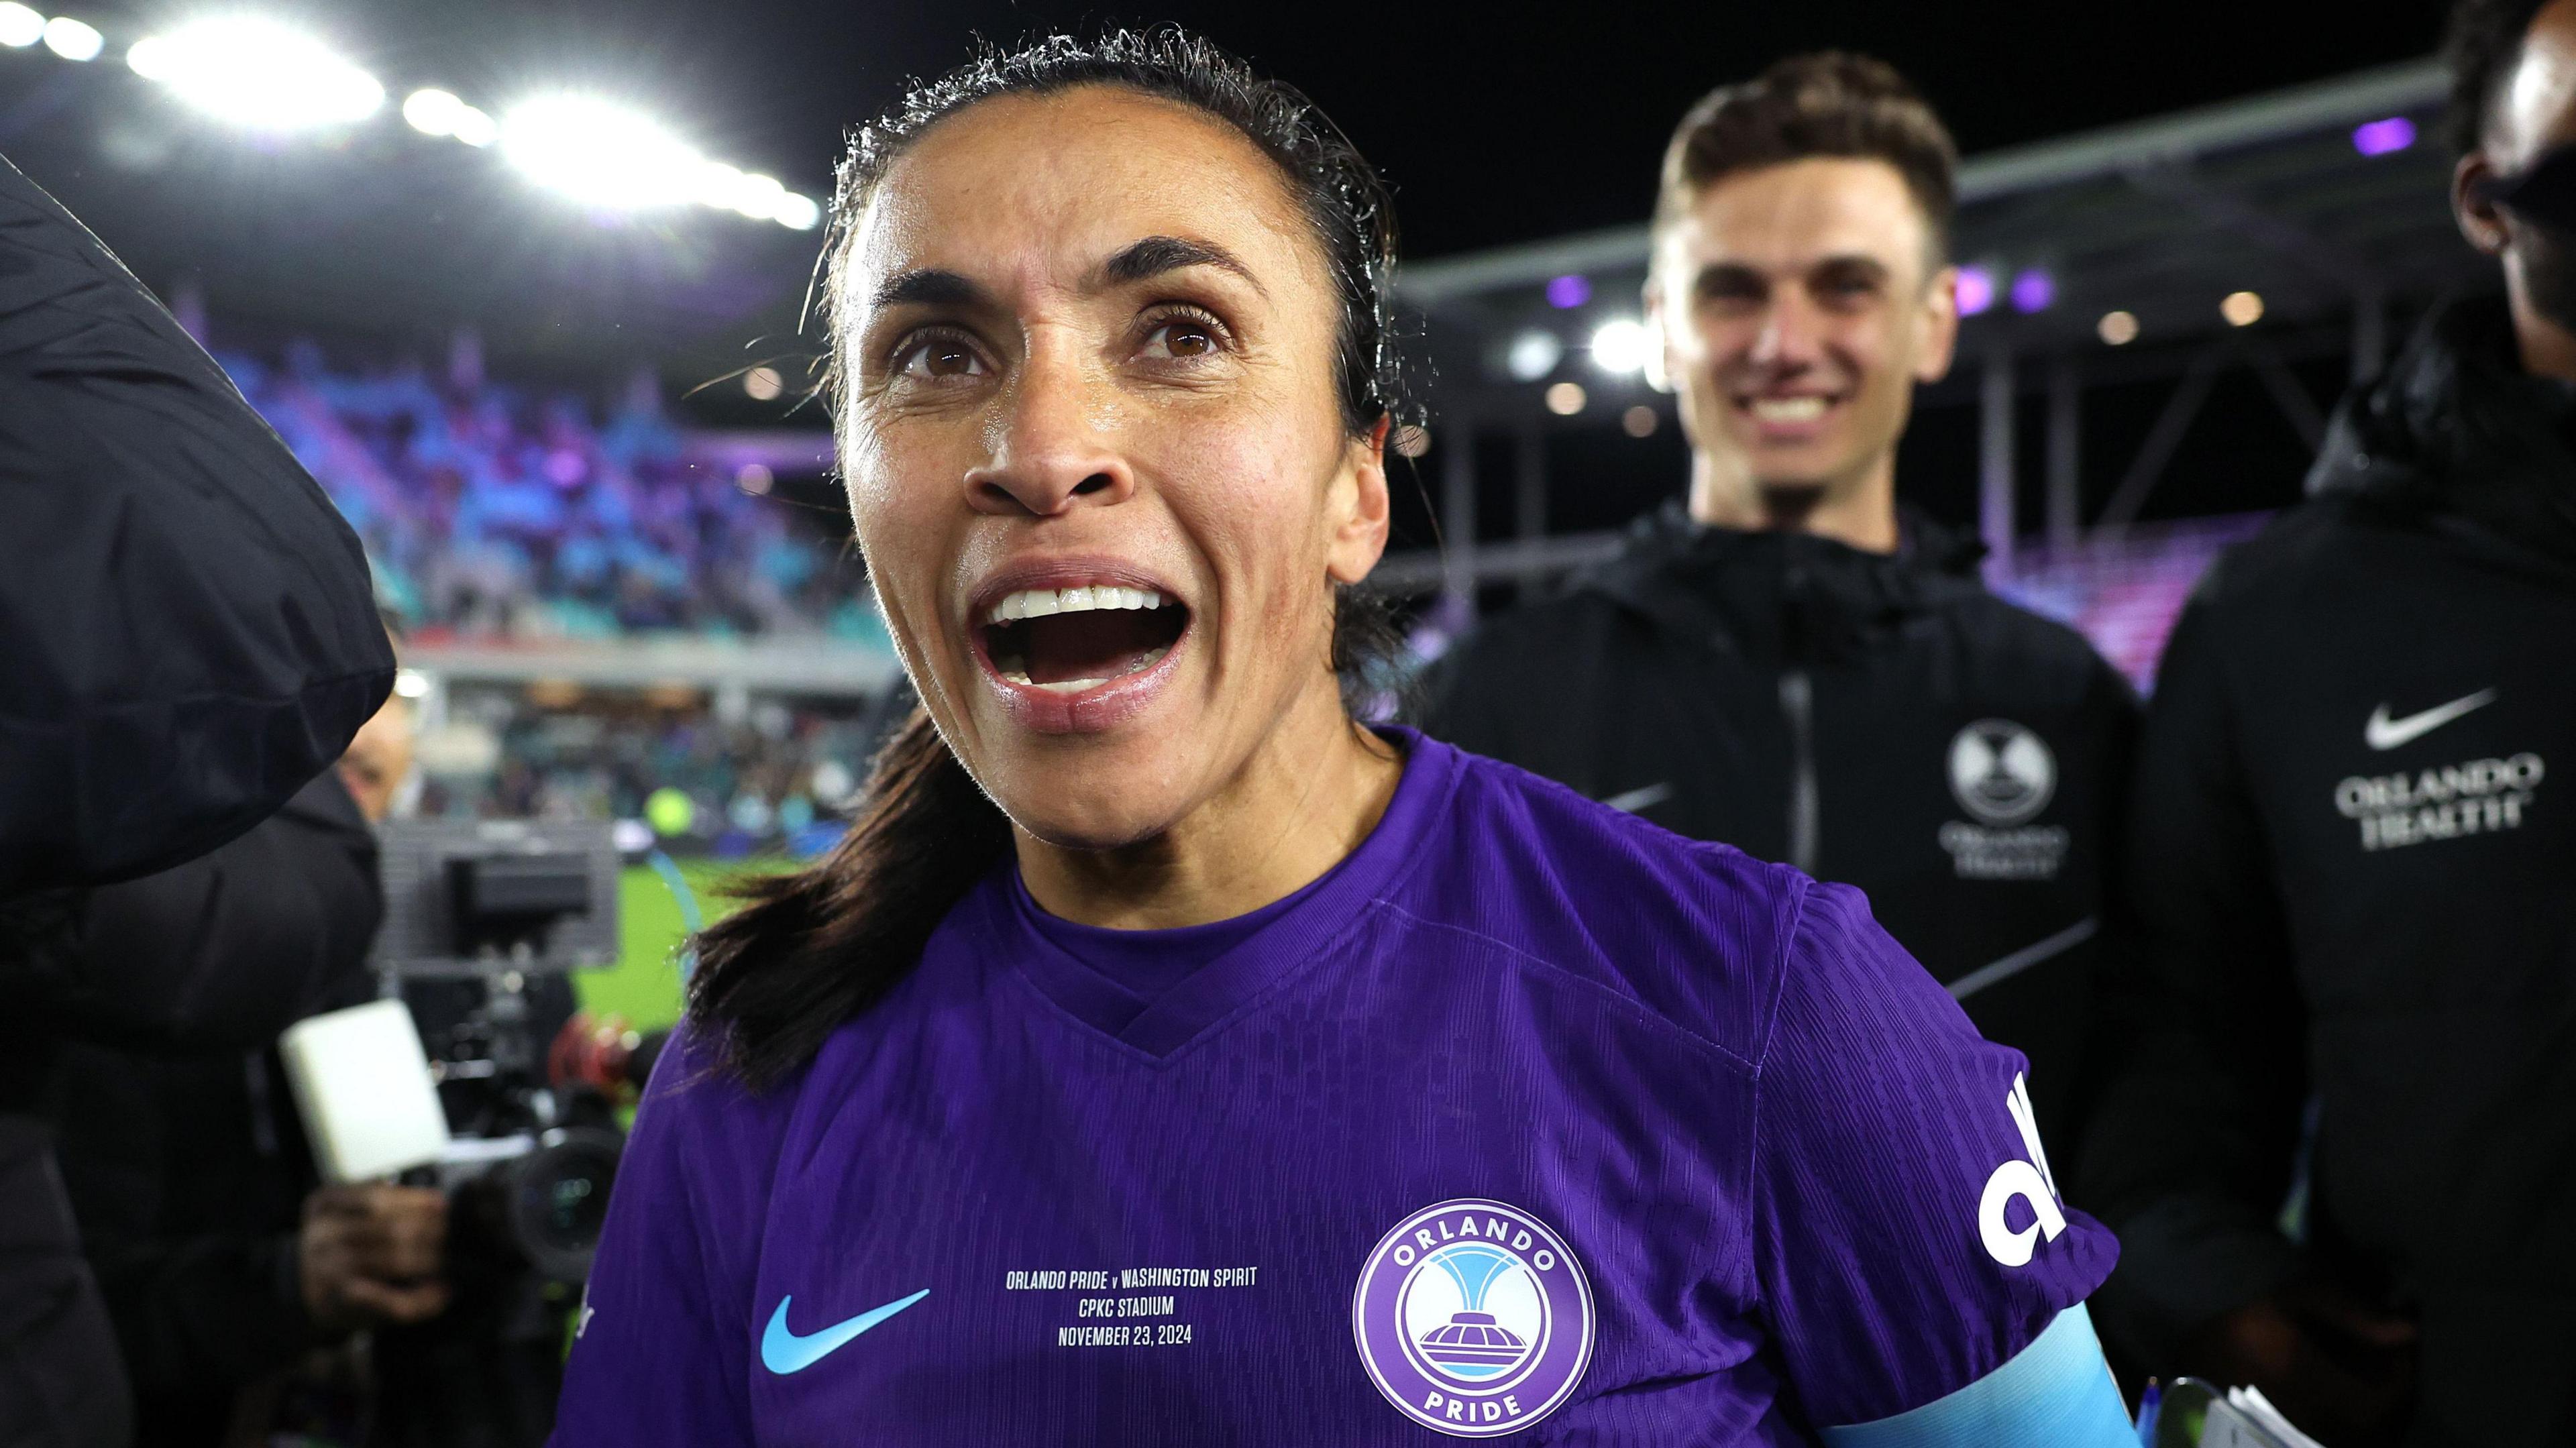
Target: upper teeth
{"type": "Point", "coordinates": [1039, 602]}
{"type": "Point", "coordinates": [1788, 409]}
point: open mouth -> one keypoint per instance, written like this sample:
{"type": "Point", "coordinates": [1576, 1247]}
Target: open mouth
{"type": "Point", "coordinates": [1072, 640]}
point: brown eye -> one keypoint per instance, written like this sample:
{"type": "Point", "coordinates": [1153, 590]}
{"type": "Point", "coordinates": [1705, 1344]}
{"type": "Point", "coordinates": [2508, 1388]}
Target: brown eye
{"type": "Point", "coordinates": [941, 359]}
{"type": "Point", "coordinates": [1183, 339]}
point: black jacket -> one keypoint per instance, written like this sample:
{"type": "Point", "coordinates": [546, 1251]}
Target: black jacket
{"type": "Point", "coordinates": [187, 1172]}
{"type": "Point", "coordinates": [2356, 880]}
{"type": "Point", "coordinates": [189, 635]}
{"type": "Point", "coordinates": [189, 626]}
{"type": "Point", "coordinates": [1883, 721]}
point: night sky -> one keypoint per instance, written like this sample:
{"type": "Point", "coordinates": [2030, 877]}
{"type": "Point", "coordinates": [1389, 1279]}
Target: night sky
{"type": "Point", "coordinates": [1496, 123]}
{"type": "Point", "coordinates": [1493, 130]}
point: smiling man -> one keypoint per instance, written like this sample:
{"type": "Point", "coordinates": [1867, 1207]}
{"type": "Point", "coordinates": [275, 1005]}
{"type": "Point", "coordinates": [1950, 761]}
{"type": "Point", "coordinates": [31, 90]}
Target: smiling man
{"type": "Point", "coordinates": [1794, 664]}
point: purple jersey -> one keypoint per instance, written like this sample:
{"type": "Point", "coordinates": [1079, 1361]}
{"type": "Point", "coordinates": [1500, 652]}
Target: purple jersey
{"type": "Point", "coordinates": [1530, 1121]}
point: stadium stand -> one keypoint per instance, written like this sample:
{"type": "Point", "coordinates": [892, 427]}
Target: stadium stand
{"type": "Point", "coordinates": [492, 511]}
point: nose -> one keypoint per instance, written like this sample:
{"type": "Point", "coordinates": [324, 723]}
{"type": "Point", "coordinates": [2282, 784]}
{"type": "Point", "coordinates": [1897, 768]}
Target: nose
{"type": "Point", "coordinates": [1790, 339]}
{"type": "Point", "coordinates": [1050, 453]}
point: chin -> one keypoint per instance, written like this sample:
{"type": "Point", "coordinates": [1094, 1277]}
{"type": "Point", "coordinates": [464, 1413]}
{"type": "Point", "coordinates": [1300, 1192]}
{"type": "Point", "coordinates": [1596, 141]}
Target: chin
{"type": "Point", "coordinates": [1091, 819]}
{"type": "Point", "coordinates": [1090, 798]}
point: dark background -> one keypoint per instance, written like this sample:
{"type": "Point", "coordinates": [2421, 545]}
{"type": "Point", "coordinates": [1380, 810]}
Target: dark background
{"type": "Point", "coordinates": [1495, 125]}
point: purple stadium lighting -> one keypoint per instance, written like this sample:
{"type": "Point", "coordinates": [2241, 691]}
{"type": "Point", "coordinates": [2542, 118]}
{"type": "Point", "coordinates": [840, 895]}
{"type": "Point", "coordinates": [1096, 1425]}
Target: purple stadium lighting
{"type": "Point", "coordinates": [1569, 292]}
{"type": "Point", "coordinates": [2382, 138]}
{"type": "Point", "coordinates": [1976, 290]}
{"type": "Point", "coordinates": [2033, 290]}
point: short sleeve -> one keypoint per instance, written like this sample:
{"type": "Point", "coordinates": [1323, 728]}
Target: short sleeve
{"type": "Point", "coordinates": [1908, 1234]}
{"type": "Point", "coordinates": [662, 1346]}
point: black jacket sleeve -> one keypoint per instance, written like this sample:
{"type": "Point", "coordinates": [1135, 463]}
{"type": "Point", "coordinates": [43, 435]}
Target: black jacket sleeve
{"type": "Point", "coordinates": [189, 626]}
{"type": "Point", "coordinates": [2190, 1149]}
{"type": "Point", "coordinates": [227, 950]}
{"type": "Point", "coordinates": [201, 1304]}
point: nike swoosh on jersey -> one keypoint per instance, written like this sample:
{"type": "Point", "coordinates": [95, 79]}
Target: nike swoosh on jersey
{"type": "Point", "coordinates": [2383, 732]}
{"type": "Point", "coordinates": [782, 1351]}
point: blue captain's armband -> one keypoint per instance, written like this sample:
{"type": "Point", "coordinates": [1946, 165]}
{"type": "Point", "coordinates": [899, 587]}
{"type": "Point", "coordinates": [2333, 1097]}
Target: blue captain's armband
{"type": "Point", "coordinates": [2055, 1393]}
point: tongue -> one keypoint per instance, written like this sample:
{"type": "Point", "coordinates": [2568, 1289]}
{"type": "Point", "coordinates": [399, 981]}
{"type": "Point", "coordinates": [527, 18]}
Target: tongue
{"type": "Point", "coordinates": [1099, 644]}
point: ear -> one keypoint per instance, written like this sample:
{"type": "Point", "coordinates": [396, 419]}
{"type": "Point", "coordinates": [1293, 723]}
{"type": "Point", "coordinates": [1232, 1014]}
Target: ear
{"type": "Point", "coordinates": [1939, 319]}
{"type": "Point", "coordinates": [1358, 508]}
{"type": "Point", "coordinates": [1659, 363]}
{"type": "Point", "coordinates": [2481, 220]}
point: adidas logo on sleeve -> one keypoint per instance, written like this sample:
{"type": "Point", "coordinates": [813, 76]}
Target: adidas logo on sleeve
{"type": "Point", "coordinates": [2028, 1179]}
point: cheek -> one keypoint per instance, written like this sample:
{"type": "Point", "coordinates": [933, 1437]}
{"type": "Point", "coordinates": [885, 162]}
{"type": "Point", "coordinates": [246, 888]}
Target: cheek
{"type": "Point", "coordinates": [898, 520]}
{"type": "Point", "coordinates": [1872, 347]}
{"type": "Point", "coordinates": [1709, 339]}
{"type": "Point", "coordinates": [1250, 491]}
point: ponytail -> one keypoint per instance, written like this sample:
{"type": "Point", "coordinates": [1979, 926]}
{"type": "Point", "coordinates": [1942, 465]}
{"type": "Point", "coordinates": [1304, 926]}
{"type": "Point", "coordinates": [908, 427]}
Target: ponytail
{"type": "Point", "coordinates": [810, 950]}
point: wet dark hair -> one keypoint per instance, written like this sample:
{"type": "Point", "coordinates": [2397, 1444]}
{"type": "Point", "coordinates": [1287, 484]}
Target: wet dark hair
{"type": "Point", "coordinates": [2482, 44]}
{"type": "Point", "coordinates": [812, 949]}
{"type": "Point", "coordinates": [1831, 103]}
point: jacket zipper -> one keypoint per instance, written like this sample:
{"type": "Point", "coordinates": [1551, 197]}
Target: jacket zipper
{"type": "Point", "coordinates": [1798, 708]}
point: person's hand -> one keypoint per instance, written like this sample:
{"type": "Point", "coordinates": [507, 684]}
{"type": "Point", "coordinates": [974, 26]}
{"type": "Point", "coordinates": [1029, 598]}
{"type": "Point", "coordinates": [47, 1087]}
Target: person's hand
{"type": "Point", "coordinates": [2341, 1369]}
{"type": "Point", "coordinates": [370, 1254]}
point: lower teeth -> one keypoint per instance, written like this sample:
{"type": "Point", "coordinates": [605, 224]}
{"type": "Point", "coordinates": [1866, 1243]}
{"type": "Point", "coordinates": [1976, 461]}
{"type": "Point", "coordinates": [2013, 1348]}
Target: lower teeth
{"type": "Point", "coordinates": [1016, 671]}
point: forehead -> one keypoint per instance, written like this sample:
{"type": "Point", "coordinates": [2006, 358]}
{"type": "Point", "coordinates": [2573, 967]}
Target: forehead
{"type": "Point", "coordinates": [1037, 190]}
{"type": "Point", "coordinates": [2538, 107]}
{"type": "Point", "coordinates": [1787, 217]}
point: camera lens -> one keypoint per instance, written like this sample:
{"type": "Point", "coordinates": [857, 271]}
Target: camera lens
{"type": "Point", "coordinates": [558, 1199]}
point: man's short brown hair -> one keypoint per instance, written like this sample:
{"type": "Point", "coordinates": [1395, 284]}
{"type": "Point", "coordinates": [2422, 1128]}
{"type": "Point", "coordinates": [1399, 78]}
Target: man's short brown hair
{"type": "Point", "coordinates": [1831, 103]}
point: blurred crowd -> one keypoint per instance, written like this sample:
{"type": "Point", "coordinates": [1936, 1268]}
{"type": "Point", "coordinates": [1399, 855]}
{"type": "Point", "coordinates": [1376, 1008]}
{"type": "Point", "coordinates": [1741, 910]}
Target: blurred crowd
{"type": "Point", "coordinates": [494, 510]}
{"type": "Point", "coordinates": [773, 776]}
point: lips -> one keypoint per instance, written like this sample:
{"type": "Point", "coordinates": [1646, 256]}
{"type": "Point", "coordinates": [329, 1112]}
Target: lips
{"type": "Point", "coordinates": [1076, 648]}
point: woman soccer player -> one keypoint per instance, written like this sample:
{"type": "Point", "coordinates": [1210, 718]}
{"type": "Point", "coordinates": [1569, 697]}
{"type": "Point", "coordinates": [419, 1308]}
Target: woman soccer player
{"type": "Point", "coordinates": [1166, 1058]}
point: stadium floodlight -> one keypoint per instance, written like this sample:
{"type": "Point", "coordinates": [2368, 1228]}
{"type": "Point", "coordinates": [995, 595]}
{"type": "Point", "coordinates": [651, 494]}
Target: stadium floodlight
{"type": "Point", "coordinates": [435, 112]}
{"type": "Point", "coordinates": [1619, 346]}
{"type": "Point", "coordinates": [475, 127]}
{"type": "Point", "coordinates": [1976, 291]}
{"type": "Point", "coordinates": [720, 186]}
{"type": "Point", "coordinates": [2384, 137]}
{"type": "Point", "coordinates": [797, 212]}
{"type": "Point", "coordinates": [20, 27]}
{"type": "Point", "coordinates": [73, 39]}
{"type": "Point", "coordinates": [762, 198]}
{"type": "Point", "coordinates": [432, 112]}
{"type": "Point", "coordinates": [1533, 354]}
{"type": "Point", "coordinates": [600, 153]}
{"type": "Point", "coordinates": [258, 74]}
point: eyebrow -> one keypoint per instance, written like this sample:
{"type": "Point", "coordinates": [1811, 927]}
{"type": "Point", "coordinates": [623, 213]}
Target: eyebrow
{"type": "Point", "coordinates": [1142, 261]}
{"type": "Point", "coordinates": [1155, 255]}
{"type": "Point", "coordinates": [1846, 261]}
{"type": "Point", "coordinates": [928, 286]}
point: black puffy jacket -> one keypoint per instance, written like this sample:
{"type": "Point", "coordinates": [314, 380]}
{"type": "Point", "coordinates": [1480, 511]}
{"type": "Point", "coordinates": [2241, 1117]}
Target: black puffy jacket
{"type": "Point", "coordinates": [1878, 720]}
{"type": "Point", "coordinates": [189, 636]}
{"type": "Point", "coordinates": [2354, 868]}
{"type": "Point", "coordinates": [187, 1171]}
